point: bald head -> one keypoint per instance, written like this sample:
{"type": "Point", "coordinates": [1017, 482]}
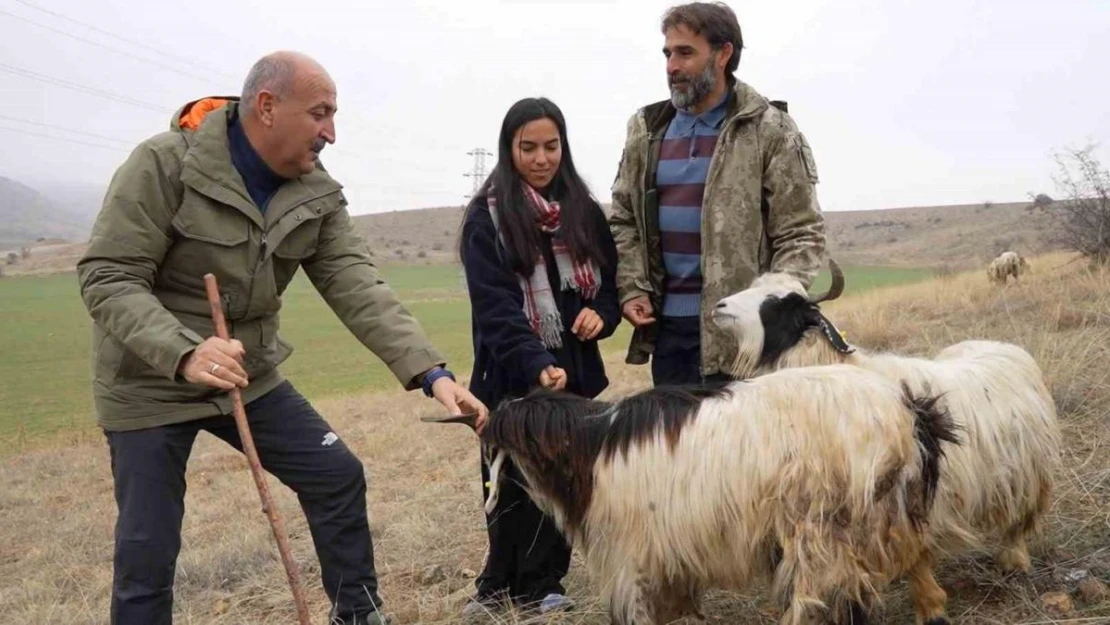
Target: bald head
{"type": "Point", "coordinates": [287, 108]}
{"type": "Point", "coordinates": [277, 73]}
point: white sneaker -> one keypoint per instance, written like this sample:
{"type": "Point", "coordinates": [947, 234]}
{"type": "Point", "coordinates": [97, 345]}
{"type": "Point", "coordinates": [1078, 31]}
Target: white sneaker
{"type": "Point", "coordinates": [555, 603]}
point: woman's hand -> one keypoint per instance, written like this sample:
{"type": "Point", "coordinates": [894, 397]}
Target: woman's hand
{"type": "Point", "coordinates": [588, 324]}
{"type": "Point", "coordinates": [553, 378]}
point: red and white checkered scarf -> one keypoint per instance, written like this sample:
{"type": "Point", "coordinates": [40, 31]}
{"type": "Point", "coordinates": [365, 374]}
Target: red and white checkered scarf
{"type": "Point", "coordinates": [582, 276]}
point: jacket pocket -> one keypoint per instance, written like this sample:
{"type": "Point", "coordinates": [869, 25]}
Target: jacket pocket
{"type": "Point", "coordinates": [265, 347]}
{"type": "Point", "coordinates": [117, 366]}
{"type": "Point", "coordinates": [297, 233]}
{"type": "Point", "coordinates": [200, 220]}
{"type": "Point", "coordinates": [295, 238]}
{"type": "Point", "coordinates": [107, 354]}
{"type": "Point", "coordinates": [805, 154]}
{"type": "Point", "coordinates": [209, 238]}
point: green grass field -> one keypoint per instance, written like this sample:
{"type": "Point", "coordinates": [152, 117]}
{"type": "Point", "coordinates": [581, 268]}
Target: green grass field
{"type": "Point", "coordinates": [44, 332]}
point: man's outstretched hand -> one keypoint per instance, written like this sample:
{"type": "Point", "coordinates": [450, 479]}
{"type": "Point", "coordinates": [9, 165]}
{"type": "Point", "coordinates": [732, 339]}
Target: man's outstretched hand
{"type": "Point", "coordinates": [458, 400]}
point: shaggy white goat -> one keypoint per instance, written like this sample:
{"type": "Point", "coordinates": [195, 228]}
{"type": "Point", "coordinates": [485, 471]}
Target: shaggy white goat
{"type": "Point", "coordinates": [995, 485]}
{"type": "Point", "coordinates": [1007, 264]}
{"type": "Point", "coordinates": [816, 479]}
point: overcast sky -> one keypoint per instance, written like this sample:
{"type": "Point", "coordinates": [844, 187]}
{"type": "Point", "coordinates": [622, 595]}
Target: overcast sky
{"type": "Point", "coordinates": [904, 103]}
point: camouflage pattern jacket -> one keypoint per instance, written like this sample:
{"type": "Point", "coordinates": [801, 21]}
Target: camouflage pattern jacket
{"type": "Point", "coordinates": [759, 213]}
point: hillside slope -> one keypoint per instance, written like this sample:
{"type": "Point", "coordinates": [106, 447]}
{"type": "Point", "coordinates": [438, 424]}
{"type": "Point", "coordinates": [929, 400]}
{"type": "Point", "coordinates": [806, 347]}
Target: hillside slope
{"type": "Point", "coordinates": [939, 237]}
{"type": "Point", "coordinates": [27, 215]}
{"type": "Point", "coordinates": [961, 236]}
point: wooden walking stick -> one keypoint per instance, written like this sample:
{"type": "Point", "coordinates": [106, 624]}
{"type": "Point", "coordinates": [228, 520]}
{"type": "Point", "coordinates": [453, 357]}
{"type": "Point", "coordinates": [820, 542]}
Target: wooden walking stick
{"type": "Point", "coordinates": [240, 413]}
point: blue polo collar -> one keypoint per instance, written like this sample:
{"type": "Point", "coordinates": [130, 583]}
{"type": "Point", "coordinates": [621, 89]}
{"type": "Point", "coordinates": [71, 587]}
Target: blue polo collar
{"type": "Point", "coordinates": [685, 121]}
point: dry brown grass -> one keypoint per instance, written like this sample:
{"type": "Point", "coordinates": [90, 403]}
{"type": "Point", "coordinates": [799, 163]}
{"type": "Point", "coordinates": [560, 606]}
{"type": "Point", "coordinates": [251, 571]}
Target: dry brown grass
{"type": "Point", "coordinates": [56, 507]}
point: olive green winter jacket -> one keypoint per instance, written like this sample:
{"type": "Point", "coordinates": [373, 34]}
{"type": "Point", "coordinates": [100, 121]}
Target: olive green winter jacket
{"type": "Point", "coordinates": [178, 209]}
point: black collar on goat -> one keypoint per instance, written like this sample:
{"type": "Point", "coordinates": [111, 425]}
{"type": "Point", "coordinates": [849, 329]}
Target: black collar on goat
{"type": "Point", "coordinates": [556, 438]}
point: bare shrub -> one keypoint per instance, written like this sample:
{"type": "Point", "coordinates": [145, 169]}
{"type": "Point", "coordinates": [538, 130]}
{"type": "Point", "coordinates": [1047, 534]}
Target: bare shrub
{"type": "Point", "coordinates": [1082, 217]}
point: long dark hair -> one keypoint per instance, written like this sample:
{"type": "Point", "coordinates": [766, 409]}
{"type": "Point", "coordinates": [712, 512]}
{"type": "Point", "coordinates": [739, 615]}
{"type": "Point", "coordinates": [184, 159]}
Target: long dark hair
{"type": "Point", "coordinates": [516, 222]}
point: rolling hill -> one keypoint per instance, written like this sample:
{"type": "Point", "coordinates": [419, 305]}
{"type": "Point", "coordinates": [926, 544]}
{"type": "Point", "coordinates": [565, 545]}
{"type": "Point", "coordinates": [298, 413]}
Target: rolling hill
{"type": "Point", "coordinates": [958, 236]}
{"type": "Point", "coordinates": [56, 223]}
{"type": "Point", "coordinates": [28, 215]}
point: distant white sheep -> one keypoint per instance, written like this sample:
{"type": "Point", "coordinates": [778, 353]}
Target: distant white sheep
{"type": "Point", "coordinates": [1007, 264]}
{"type": "Point", "coordinates": [997, 484]}
{"type": "Point", "coordinates": [819, 480]}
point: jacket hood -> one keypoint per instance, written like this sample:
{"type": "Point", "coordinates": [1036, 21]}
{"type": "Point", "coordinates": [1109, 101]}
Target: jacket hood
{"type": "Point", "coordinates": [191, 114]}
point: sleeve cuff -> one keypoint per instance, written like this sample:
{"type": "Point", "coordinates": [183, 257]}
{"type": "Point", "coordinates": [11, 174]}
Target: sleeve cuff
{"type": "Point", "coordinates": [183, 345]}
{"type": "Point", "coordinates": [632, 294]}
{"type": "Point", "coordinates": [537, 365]}
{"type": "Point", "coordinates": [407, 369]}
{"type": "Point", "coordinates": [433, 375]}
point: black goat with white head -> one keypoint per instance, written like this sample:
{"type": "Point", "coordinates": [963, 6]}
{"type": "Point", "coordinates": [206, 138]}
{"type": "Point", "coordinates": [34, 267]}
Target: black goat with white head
{"type": "Point", "coordinates": [773, 317]}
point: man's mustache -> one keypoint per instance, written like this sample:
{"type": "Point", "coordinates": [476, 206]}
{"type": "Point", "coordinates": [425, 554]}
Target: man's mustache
{"type": "Point", "coordinates": [676, 77]}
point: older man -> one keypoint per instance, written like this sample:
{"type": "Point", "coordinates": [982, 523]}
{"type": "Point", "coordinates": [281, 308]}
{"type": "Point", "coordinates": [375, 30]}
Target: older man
{"type": "Point", "coordinates": [236, 189]}
{"type": "Point", "coordinates": [716, 185]}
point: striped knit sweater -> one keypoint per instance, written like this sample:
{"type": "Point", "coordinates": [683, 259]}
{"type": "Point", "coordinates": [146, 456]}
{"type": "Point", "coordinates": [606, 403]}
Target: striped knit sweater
{"type": "Point", "coordinates": [680, 179]}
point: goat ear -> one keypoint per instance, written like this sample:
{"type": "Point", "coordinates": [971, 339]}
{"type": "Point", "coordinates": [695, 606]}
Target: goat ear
{"type": "Point", "coordinates": [469, 419]}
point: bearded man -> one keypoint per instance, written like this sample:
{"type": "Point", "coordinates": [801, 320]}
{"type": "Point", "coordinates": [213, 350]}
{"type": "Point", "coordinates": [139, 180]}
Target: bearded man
{"type": "Point", "coordinates": [716, 185]}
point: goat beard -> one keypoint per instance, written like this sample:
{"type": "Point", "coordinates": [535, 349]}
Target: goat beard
{"type": "Point", "coordinates": [747, 354]}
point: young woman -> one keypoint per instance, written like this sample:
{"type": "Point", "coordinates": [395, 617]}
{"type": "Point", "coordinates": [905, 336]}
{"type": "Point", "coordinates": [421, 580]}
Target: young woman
{"type": "Point", "coordinates": [540, 267]}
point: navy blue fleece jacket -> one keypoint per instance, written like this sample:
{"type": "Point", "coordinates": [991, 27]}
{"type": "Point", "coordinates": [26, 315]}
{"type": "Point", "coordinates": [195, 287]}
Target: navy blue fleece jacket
{"type": "Point", "coordinates": [508, 356]}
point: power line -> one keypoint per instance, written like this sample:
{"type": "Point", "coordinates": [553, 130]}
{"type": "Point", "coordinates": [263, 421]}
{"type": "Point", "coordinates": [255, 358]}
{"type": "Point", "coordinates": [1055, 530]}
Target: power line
{"type": "Point", "coordinates": [128, 144]}
{"type": "Point", "coordinates": [78, 87]}
{"type": "Point", "coordinates": [109, 48]}
{"type": "Point", "coordinates": [119, 38]}
{"type": "Point", "coordinates": [478, 174]}
{"type": "Point", "coordinates": [46, 136]}
{"type": "Point", "coordinates": [132, 101]}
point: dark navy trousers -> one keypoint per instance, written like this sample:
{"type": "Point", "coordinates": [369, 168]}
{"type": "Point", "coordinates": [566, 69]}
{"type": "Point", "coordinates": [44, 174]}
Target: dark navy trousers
{"type": "Point", "coordinates": [296, 446]}
{"type": "Point", "coordinates": [677, 356]}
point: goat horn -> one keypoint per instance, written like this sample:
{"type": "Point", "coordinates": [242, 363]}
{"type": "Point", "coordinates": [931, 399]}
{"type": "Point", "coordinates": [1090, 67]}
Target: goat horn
{"type": "Point", "coordinates": [835, 289]}
{"type": "Point", "coordinates": [470, 419]}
